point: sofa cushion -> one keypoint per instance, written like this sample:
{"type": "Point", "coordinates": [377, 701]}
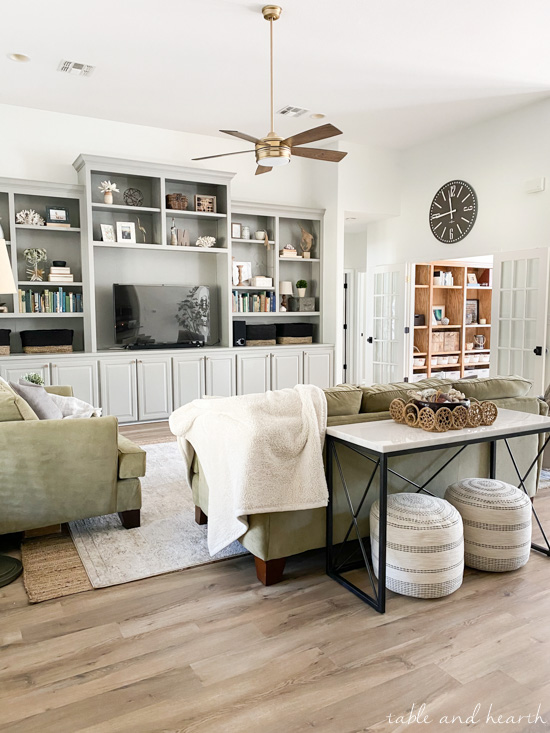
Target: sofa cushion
{"type": "Point", "coordinates": [354, 419]}
{"type": "Point", "coordinates": [493, 388]}
{"type": "Point", "coordinates": [345, 399]}
{"type": "Point", "coordinates": [378, 397]}
{"type": "Point", "coordinates": [40, 401]}
{"type": "Point", "coordinates": [12, 406]}
{"type": "Point", "coordinates": [131, 459]}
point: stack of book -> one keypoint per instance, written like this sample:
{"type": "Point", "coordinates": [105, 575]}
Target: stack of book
{"type": "Point", "coordinates": [49, 301]}
{"type": "Point", "coordinates": [60, 275]}
{"type": "Point", "coordinates": [254, 302]}
{"type": "Point", "coordinates": [289, 253]}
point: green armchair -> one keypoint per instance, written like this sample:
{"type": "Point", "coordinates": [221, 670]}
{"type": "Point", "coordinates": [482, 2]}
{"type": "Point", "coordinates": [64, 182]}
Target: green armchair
{"type": "Point", "coordinates": [54, 471]}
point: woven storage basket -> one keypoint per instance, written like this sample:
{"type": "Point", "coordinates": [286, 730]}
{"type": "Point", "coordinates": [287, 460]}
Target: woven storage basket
{"type": "Point", "coordinates": [261, 342]}
{"type": "Point", "coordinates": [4, 341]}
{"type": "Point", "coordinates": [424, 545]}
{"type": "Point", "coordinates": [294, 339]}
{"type": "Point", "coordinates": [497, 523]}
{"type": "Point", "coordinates": [177, 201]}
{"type": "Point", "coordinates": [4, 350]}
{"type": "Point", "coordinates": [47, 341]}
{"type": "Point", "coordinates": [47, 349]}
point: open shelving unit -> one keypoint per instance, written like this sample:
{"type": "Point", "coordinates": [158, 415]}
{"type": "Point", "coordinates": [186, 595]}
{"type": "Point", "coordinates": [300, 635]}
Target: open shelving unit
{"type": "Point", "coordinates": [453, 341]}
{"type": "Point", "coordinates": [61, 243]}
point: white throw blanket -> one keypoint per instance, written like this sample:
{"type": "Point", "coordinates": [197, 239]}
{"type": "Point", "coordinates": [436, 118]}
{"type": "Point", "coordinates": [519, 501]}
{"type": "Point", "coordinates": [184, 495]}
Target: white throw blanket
{"type": "Point", "coordinates": [259, 453]}
{"type": "Point", "coordinates": [72, 407]}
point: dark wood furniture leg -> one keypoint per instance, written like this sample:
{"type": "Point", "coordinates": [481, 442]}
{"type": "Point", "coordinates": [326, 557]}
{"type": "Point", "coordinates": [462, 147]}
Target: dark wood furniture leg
{"type": "Point", "coordinates": [131, 518]}
{"type": "Point", "coordinates": [270, 572]}
{"type": "Point", "coordinates": [200, 516]}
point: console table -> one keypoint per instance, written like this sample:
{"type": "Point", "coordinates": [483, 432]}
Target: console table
{"type": "Point", "coordinates": [380, 441]}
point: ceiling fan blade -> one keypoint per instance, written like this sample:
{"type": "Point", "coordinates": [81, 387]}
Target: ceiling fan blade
{"type": "Point", "coordinates": [334, 156]}
{"type": "Point", "coordinates": [242, 135]}
{"type": "Point", "coordinates": [222, 155]}
{"type": "Point", "coordinates": [310, 136]}
{"type": "Point", "coordinates": [263, 169]}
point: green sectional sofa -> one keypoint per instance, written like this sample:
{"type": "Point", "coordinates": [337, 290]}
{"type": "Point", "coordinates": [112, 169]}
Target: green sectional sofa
{"type": "Point", "coordinates": [277, 535]}
{"type": "Point", "coordinates": [54, 471]}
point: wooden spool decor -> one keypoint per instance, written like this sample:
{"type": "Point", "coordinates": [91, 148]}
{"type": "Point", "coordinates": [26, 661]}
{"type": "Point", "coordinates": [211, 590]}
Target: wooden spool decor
{"type": "Point", "coordinates": [442, 416]}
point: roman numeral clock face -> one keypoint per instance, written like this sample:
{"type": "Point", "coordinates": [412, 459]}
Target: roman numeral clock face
{"type": "Point", "coordinates": [453, 212]}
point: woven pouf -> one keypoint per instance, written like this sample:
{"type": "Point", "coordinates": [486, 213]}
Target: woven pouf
{"type": "Point", "coordinates": [424, 545]}
{"type": "Point", "coordinates": [497, 523]}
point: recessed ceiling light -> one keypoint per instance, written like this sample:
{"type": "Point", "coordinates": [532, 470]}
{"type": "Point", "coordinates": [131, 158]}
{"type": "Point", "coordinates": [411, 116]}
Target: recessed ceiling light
{"type": "Point", "coordinates": [317, 116]}
{"type": "Point", "coordinates": [20, 57]}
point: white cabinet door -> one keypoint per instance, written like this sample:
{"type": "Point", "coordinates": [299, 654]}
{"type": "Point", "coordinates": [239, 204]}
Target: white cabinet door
{"type": "Point", "coordinates": [154, 379]}
{"type": "Point", "coordinates": [253, 373]}
{"type": "Point", "coordinates": [220, 375]}
{"type": "Point", "coordinates": [318, 368]}
{"type": "Point", "coordinates": [13, 371]}
{"type": "Point", "coordinates": [119, 388]}
{"type": "Point", "coordinates": [82, 376]}
{"type": "Point", "coordinates": [189, 379]}
{"type": "Point", "coordinates": [287, 369]}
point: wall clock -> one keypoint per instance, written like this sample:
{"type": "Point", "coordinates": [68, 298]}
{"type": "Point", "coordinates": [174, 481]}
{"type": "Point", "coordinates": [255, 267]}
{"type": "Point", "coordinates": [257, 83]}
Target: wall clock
{"type": "Point", "coordinates": [453, 211]}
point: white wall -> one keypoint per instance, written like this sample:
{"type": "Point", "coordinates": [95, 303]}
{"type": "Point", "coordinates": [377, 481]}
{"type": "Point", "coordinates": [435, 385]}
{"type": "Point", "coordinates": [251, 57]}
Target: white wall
{"type": "Point", "coordinates": [43, 145]}
{"type": "Point", "coordinates": [355, 251]}
{"type": "Point", "coordinates": [496, 157]}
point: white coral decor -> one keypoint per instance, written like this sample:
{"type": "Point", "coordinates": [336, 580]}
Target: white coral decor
{"type": "Point", "coordinates": [29, 216]}
{"type": "Point", "coordinates": [108, 187]}
{"type": "Point", "coordinates": [206, 241]}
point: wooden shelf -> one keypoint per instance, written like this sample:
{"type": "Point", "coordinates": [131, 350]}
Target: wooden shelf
{"type": "Point", "coordinates": [478, 325]}
{"type": "Point", "coordinates": [445, 353]}
{"type": "Point", "coordinates": [41, 315]}
{"type": "Point", "coordinates": [416, 327]}
{"type": "Point", "coordinates": [194, 214]}
{"type": "Point", "coordinates": [162, 247]}
{"type": "Point", "coordinates": [253, 241]}
{"type": "Point", "coordinates": [124, 207]}
{"type": "Point", "coordinates": [422, 286]}
{"type": "Point", "coordinates": [478, 287]}
{"type": "Point", "coordinates": [449, 325]}
{"type": "Point", "coordinates": [277, 314]}
{"type": "Point", "coordinates": [46, 283]}
{"type": "Point", "coordinates": [446, 366]}
{"type": "Point", "coordinates": [447, 287]}
{"type": "Point", "coordinates": [247, 287]}
{"type": "Point", "coordinates": [47, 229]}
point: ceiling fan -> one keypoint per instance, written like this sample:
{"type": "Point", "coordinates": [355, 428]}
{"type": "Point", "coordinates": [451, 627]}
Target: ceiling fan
{"type": "Point", "coordinates": [273, 150]}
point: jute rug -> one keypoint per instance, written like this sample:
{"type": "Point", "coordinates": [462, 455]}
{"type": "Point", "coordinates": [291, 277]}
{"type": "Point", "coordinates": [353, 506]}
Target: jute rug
{"type": "Point", "coordinates": [102, 553]}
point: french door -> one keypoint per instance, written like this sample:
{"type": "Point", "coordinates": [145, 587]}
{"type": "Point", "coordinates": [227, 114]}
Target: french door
{"type": "Point", "coordinates": [519, 315]}
{"type": "Point", "coordinates": [387, 300]}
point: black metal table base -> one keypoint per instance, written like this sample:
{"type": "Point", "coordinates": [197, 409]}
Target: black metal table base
{"type": "Point", "coordinates": [341, 559]}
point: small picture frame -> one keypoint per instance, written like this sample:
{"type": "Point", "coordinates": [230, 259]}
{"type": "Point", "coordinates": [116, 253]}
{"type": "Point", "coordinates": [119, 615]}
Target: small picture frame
{"type": "Point", "coordinates": [438, 313]}
{"type": "Point", "coordinates": [57, 216]}
{"type": "Point", "coordinates": [472, 312]}
{"type": "Point", "coordinates": [472, 278]}
{"type": "Point", "coordinates": [126, 232]}
{"type": "Point", "coordinates": [206, 204]}
{"type": "Point", "coordinates": [245, 269]}
{"type": "Point", "coordinates": [108, 233]}
{"type": "Point", "coordinates": [236, 231]}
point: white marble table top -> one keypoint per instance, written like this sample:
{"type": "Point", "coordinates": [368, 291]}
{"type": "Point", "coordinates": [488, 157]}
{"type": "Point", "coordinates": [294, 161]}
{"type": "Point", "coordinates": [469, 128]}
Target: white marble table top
{"type": "Point", "coordinates": [387, 436]}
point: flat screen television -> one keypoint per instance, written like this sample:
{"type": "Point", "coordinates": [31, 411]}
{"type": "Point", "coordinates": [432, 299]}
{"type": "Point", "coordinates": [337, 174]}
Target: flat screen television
{"type": "Point", "coordinates": [165, 316]}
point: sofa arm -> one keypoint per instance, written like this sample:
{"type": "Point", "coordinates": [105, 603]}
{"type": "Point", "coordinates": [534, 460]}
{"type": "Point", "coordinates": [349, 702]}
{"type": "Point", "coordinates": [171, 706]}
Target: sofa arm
{"type": "Point", "coordinates": [131, 459]}
{"type": "Point", "coordinates": [60, 390]}
{"type": "Point", "coordinates": [54, 471]}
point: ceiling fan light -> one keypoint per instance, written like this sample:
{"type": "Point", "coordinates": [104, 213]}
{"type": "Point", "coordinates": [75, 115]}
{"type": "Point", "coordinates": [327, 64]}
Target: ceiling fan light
{"type": "Point", "coordinates": [273, 162]}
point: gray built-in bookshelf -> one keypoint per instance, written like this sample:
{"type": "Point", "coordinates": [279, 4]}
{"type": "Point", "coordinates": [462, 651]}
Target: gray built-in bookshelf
{"type": "Point", "coordinates": [97, 264]}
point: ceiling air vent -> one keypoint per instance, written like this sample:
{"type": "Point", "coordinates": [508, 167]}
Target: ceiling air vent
{"type": "Point", "coordinates": [290, 111]}
{"type": "Point", "coordinates": [71, 67]}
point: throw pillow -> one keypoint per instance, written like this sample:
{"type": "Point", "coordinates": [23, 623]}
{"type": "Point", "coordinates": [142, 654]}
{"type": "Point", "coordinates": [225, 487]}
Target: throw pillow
{"type": "Point", "coordinates": [72, 407]}
{"type": "Point", "coordinates": [494, 388]}
{"type": "Point", "coordinates": [12, 406]}
{"type": "Point", "coordinates": [39, 400]}
{"type": "Point", "coordinates": [345, 399]}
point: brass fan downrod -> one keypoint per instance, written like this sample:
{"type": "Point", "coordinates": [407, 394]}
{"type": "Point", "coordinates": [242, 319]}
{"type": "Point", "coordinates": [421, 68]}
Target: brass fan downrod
{"type": "Point", "coordinates": [271, 13]}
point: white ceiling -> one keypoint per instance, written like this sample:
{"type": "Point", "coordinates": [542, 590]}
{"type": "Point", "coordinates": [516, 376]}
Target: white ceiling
{"type": "Point", "coordinates": [387, 72]}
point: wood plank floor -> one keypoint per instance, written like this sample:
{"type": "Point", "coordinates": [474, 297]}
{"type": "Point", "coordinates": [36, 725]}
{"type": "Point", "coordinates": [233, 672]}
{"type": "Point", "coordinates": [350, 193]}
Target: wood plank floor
{"type": "Point", "coordinates": [210, 650]}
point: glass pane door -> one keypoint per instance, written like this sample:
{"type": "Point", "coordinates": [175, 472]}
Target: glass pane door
{"type": "Point", "coordinates": [388, 286]}
{"type": "Point", "coordinates": [520, 300]}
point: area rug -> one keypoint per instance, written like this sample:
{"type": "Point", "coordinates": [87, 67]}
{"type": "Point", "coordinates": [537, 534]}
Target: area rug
{"type": "Point", "coordinates": [99, 552]}
{"type": "Point", "coordinates": [168, 539]}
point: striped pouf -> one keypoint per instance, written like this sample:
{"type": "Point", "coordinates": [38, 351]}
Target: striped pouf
{"type": "Point", "coordinates": [497, 523]}
{"type": "Point", "coordinates": [424, 545]}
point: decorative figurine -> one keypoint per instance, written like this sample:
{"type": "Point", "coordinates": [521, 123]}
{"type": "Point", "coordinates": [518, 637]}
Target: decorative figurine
{"type": "Point", "coordinates": [33, 256]}
{"type": "Point", "coordinates": [173, 233]}
{"type": "Point", "coordinates": [142, 229]}
{"type": "Point", "coordinates": [306, 243]}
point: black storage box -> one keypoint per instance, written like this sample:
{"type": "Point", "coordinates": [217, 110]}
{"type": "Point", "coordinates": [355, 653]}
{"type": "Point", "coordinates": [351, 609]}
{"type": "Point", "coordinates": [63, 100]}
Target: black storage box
{"type": "Point", "coordinates": [47, 341]}
{"type": "Point", "coordinates": [419, 319]}
{"type": "Point", "coordinates": [294, 333]}
{"type": "Point", "coordinates": [261, 334]}
{"type": "Point", "coordinates": [4, 341]}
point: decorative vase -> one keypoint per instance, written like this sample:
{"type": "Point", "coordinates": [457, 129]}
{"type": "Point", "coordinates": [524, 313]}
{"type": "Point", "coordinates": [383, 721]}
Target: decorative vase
{"type": "Point", "coordinates": [173, 233]}
{"type": "Point", "coordinates": [245, 233]}
{"type": "Point", "coordinates": [108, 197]}
{"type": "Point", "coordinates": [259, 235]}
{"type": "Point", "coordinates": [301, 292]}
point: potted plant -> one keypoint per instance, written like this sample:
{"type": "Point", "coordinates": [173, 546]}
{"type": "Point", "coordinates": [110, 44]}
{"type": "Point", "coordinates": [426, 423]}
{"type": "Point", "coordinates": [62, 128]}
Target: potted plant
{"type": "Point", "coordinates": [301, 286]}
{"type": "Point", "coordinates": [33, 257]}
{"type": "Point", "coordinates": [107, 189]}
